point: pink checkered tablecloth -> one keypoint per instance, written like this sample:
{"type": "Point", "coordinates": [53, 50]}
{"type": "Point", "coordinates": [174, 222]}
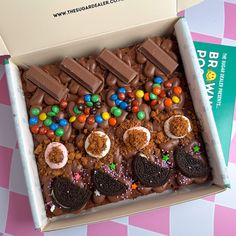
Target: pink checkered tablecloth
{"type": "Point", "coordinates": [212, 21]}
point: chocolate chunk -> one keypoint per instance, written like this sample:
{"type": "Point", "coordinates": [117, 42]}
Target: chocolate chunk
{"type": "Point", "coordinates": [46, 82]}
{"type": "Point", "coordinates": [121, 70]}
{"type": "Point", "coordinates": [190, 166]}
{"type": "Point", "coordinates": [106, 185]}
{"type": "Point", "coordinates": [157, 56]}
{"type": "Point", "coordinates": [148, 173]}
{"type": "Point", "coordinates": [83, 76]}
{"type": "Point", "coordinates": [37, 98]}
{"type": "Point", "coordinates": [68, 195]}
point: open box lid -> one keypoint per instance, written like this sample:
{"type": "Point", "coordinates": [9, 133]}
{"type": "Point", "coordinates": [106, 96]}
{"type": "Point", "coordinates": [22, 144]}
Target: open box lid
{"type": "Point", "coordinates": [29, 26]}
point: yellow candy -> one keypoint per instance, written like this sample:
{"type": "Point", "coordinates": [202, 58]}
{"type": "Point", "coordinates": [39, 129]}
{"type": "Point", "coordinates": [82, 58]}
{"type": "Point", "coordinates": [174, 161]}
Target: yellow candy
{"type": "Point", "coordinates": [175, 99]}
{"type": "Point", "coordinates": [106, 116]}
{"type": "Point", "coordinates": [139, 94]}
{"type": "Point", "coordinates": [43, 116]}
{"type": "Point", "coordinates": [72, 119]}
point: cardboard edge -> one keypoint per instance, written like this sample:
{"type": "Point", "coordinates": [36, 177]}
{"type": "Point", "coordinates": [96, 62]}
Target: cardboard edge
{"type": "Point", "coordinates": [3, 49]}
{"type": "Point", "coordinates": [14, 87]}
{"type": "Point", "coordinates": [204, 112]}
{"type": "Point", "coordinates": [184, 4]}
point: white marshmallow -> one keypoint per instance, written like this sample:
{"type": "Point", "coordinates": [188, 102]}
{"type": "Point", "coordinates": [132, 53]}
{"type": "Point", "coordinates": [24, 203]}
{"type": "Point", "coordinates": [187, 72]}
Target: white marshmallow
{"type": "Point", "coordinates": [167, 127]}
{"type": "Point", "coordinates": [49, 148]}
{"type": "Point", "coordinates": [103, 152]}
{"type": "Point", "coordinates": [140, 128]}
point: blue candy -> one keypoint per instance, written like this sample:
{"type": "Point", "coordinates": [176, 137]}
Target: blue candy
{"type": "Point", "coordinates": [53, 126]}
{"type": "Point", "coordinates": [121, 90]}
{"type": "Point", "coordinates": [113, 97]}
{"type": "Point", "coordinates": [87, 98]}
{"type": "Point", "coordinates": [123, 105]}
{"type": "Point", "coordinates": [158, 80]}
{"type": "Point", "coordinates": [63, 122]}
{"type": "Point", "coordinates": [118, 102]}
{"type": "Point", "coordinates": [33, 120]}
{"type": "Point", "coordinates": [98, 119]}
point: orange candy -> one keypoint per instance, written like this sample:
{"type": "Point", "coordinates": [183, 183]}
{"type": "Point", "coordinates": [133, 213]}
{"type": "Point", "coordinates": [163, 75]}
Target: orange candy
{"type": "Point", "coordinates": [157, 90]}
{"type": "Point", "coordinates": [81, 118]}
{"type": "Point", "coordinates": [168, 102]}
{"type": "Point", "coordinates": [146, 97]}
{"type": "Point", "coordinates": [112, 121]}
{"type": "Point", "coordinates": [177, 90]}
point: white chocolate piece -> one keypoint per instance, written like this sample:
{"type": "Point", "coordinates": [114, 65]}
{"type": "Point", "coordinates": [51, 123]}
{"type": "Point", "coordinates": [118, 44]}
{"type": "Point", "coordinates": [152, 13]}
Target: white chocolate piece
{"type": "Point", "coordinates": [139, 128]}
{"type": "Point", "coordinates": [49, 148]}
{"type": "Point", "coordinates": [167, 127]}
{"type": "Point", "coordinates": [103, 152]}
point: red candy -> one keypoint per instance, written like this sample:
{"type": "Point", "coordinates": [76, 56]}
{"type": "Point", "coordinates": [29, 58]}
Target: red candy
{"type": "Point", "coordinates": [135, 103]}
{"type": "Point", "coordinates": [135, 109]}
{"type": "Point", "coordinates": [121, 96]}
{"type": "Point", "coordinates": [131, 94]}
{"type": "Point", "coordinates": [90, 120]}
{"type": "Point", "coordinates": [162, 94]}
{"type": "Point", "coordinates": [34, 129]}
{"type": "Point", "coordinates": [63, 104]}
{"type": "Point", "coordinates": [87, 110]}
{"type": "Point", "coordinates": [153, 102]}
{"type": "Point", "coordinates": [157, 90]}
{"type": "Point", "coordinates": [50, 133]}
{"type": "Point", "coordinates": [43, 130]}
{"type": "Point", "coordinates": [167, 84]}
{"type": "Point", "coordinates": [112, 121]}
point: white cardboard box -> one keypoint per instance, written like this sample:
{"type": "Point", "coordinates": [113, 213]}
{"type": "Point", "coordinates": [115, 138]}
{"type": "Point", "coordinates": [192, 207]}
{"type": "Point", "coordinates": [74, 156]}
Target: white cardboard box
{"type": "Point", "coordinates": [31, 34]}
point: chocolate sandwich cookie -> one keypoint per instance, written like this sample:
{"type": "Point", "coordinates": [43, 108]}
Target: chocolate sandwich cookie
{"type": "Point", "coordinates": [106, 185]}
{"type": "Point", "coordinates": [68, 195]}
{"type": "Point", "coordinates": [190, 166]}
{"type": "Point", "coordinates": [148, 173]}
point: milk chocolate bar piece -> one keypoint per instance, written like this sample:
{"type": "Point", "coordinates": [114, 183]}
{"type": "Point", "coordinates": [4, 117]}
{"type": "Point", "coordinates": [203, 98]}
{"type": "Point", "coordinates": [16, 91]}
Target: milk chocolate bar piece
{"type": "Point", "coordinates": [121, 70]}
{"type": "Point", "coordinates": [46, 82]}
{"type": "Point", "coordinates": [157, 56]}
{"type": "Point", "coordinates": [84, 77]}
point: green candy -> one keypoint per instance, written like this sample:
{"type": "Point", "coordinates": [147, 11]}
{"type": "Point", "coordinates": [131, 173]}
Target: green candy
{"type": "Point", "coordinates": [165, 157]}
{"type": "Point", "coordinates": [117, 112]}
{"type": "Point", "coordinates": [89, 104]}
{"type": "Point", "coordinates": [51, 113]}
{"type": "Point", "coordinates": [35, 111]}
{"type": "Point", "coordinates": [141, 115]}
{"type": "Point", "coordinates": [47, 122]}
{"type": "Point", "coordinates": [59, 132]}
{"type": "Point", "coordinates": [113, 109]}
{"type": "Point", "coordinates": [95, 98]}
{"type": "Point", "coordinates": [76, 110]}
{"type": "Point", "coordinates": [156, 85]}
{"type": "Point", "coordinates": [55, 109]}
{"type": "Point", "coordinates": [153, 96]}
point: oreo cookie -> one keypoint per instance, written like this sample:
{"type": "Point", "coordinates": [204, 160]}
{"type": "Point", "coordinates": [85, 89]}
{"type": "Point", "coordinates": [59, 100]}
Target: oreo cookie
{"type": "Point", "coordinates": [189, 166]}
{"type": "Point", "coordinates": [148, 173]}
{"type": "Point", "coordinates": [106, 185]}
{"type": "Point", "coordinates": [68, 195]}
